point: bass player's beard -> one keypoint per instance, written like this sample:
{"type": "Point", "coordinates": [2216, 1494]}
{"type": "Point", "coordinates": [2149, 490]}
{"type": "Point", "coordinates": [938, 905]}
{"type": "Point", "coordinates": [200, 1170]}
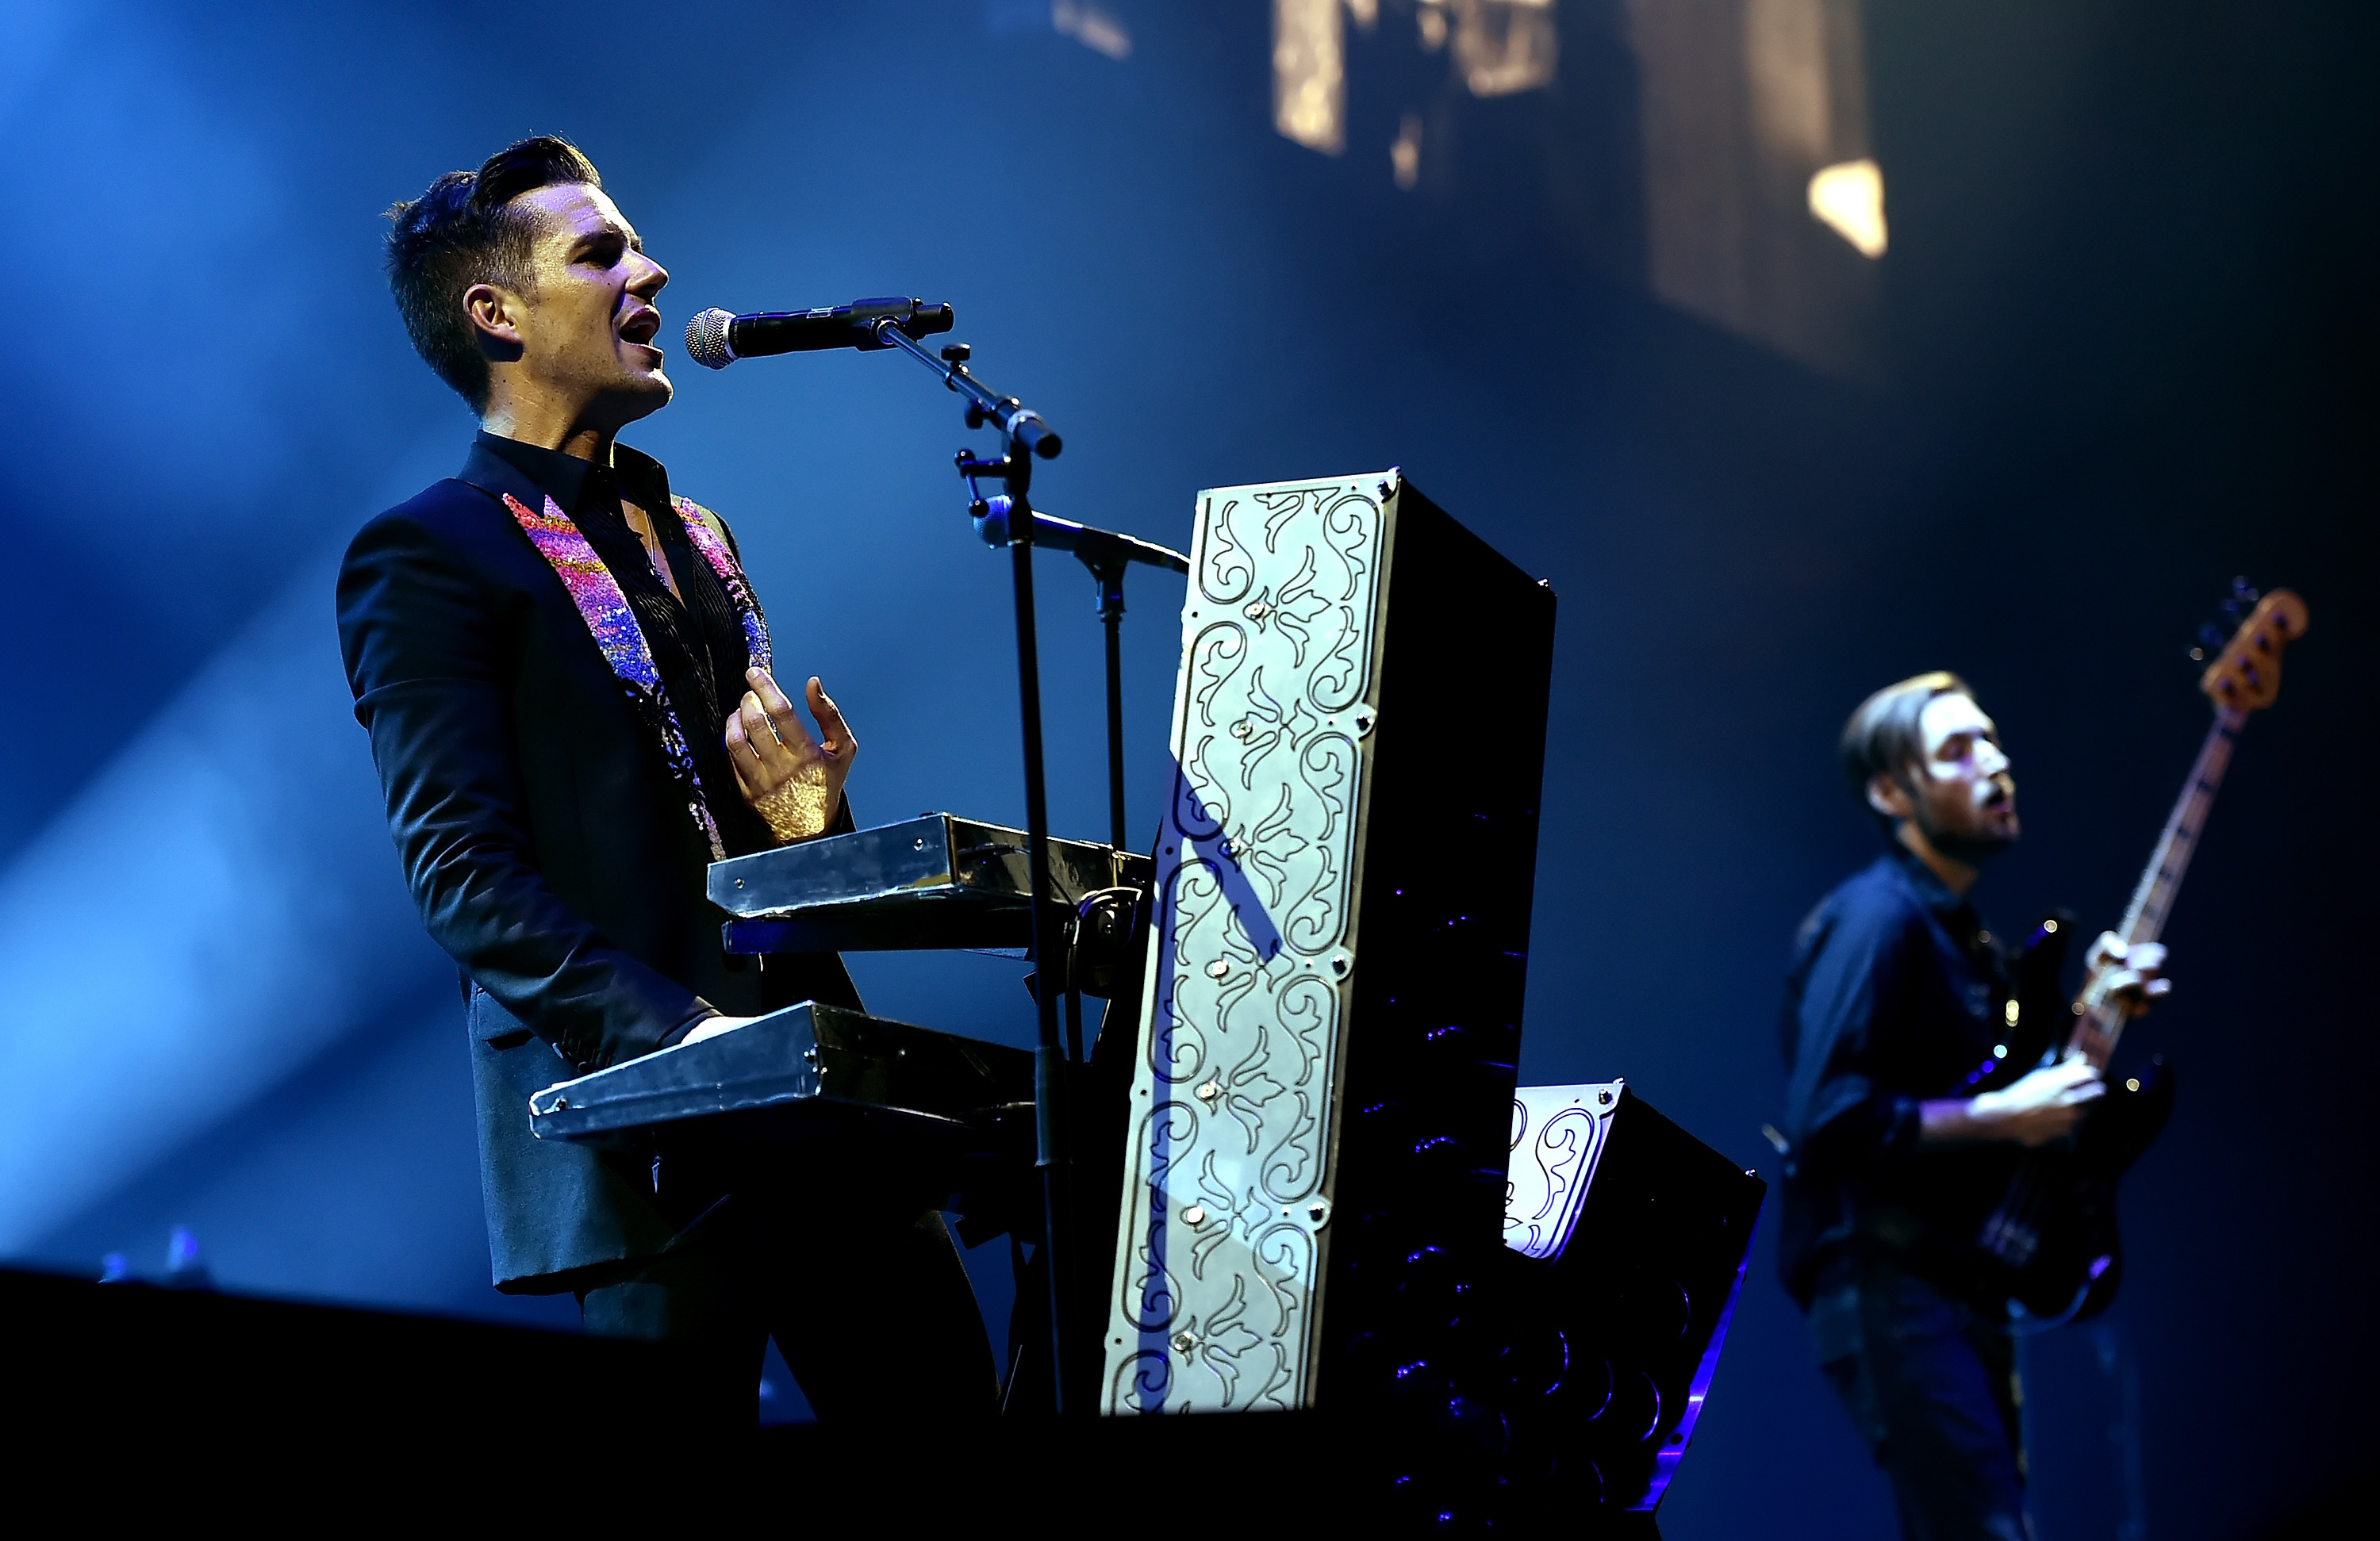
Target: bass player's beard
{"type": "Point", "coordinates": [1974, 847]}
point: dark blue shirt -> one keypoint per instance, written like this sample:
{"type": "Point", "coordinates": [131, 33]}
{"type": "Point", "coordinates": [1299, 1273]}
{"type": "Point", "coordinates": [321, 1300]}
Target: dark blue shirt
{"type": "Point", "coordinates": [1896, 997]}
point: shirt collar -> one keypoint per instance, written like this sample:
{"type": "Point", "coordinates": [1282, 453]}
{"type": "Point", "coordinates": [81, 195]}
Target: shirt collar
{"type": "Point", "coordinates": [1935, 893]}
{"type": "Point", "coordinates": [579, 487]}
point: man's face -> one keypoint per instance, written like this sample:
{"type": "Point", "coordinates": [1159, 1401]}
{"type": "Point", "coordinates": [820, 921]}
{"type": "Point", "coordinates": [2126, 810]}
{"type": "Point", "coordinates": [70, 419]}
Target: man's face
{"type": "Point", "coordinates": [1964, 799]}
{"type": "Point", "coordinates": [588, 325]}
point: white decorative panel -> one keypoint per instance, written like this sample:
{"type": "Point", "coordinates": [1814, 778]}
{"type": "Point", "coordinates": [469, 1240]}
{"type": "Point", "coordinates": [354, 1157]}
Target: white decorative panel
{"type": "Point", "coordinates": [1228, 1177]}
{"type": "Point", "coordinates": [1558, 1138]}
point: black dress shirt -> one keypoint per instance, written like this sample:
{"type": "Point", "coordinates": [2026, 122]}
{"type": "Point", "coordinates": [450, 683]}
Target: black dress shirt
{"type": "Point", "coordinates": [698, 643]}
{"type": "Point", "coordinates": [1895, 998]}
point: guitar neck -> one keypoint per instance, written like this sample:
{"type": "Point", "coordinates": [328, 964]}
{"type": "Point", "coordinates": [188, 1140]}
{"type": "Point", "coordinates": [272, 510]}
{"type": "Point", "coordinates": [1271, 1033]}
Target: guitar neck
{"type": "Point", "coordinates": [2099, 1026]}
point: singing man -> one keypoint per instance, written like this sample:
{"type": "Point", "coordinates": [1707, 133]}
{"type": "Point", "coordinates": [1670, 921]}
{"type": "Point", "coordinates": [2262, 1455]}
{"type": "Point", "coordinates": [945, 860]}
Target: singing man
{"type": "Point", "coordinates": [567, 680]}
{"type": "Point", "coordinates": [1897, 991]}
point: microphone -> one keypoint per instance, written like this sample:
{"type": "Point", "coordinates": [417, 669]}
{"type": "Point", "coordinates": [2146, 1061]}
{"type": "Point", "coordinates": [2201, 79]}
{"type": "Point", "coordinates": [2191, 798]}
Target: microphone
{"type": "Point", "coordinates": [1098, 548]}
{"type": "Point", "coordinates": [716, 338]}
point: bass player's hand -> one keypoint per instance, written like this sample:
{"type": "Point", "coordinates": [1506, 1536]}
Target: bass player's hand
{"type": "Point", "coordinates": [2130, 977]}
{"type": "Point", "coordinates": [2044, 1106]}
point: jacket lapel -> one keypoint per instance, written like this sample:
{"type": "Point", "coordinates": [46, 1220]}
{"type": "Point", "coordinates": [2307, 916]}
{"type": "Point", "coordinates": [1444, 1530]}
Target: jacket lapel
{"type": "Point", "coordinates": [496, 475]}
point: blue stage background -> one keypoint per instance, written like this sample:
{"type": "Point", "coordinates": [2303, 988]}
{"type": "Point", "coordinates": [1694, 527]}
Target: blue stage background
{"type": "Point", "coordinates": [2123, 349]}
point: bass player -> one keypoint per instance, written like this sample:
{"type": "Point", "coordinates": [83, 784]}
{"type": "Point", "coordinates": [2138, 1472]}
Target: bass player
{"type": "Point", "coordinates": [1896, 993]}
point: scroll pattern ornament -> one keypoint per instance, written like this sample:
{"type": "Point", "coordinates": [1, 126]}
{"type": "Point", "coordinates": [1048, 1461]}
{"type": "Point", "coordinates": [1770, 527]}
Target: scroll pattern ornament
{"type": "Point", "coordinates": [1558, 1139]}
{"type": "Point", "coordinates": [1228, 1180]}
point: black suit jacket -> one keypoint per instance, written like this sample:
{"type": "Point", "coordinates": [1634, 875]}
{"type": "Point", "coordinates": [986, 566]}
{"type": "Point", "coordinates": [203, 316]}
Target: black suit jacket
{"type": "Point", "coordinates": [548, 853]}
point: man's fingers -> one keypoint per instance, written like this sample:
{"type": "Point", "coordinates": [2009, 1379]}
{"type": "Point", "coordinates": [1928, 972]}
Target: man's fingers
{"type": "Point", "coordinates": [778, 740]}
{"type": "Point", "coordinates": [763, 732]}
{"type": "Point", "coordinates": [834, 733]}
{"type": "Point", "coordinates": [2135, 989]}
{"type": "Point", "coordinates": [713, 1027]}
{"type": "Point", "coordinates": [772, 740]}
{"type": "Point", "coordinates": [748, 770]}
{"type": "Point", "coordinates": [772, 700]}
{"type": "Point", "coordinates": [762, 761]}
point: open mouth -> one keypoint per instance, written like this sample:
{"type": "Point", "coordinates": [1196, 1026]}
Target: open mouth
{"type": "Point", "coordinates": [641, 327]}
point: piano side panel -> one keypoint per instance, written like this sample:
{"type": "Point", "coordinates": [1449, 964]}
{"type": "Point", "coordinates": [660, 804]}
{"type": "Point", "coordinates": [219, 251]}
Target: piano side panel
{"type": "Point", "coordinates": [1228, 1185]}
{"type": "Point", "coordinates": [1328, 1022]}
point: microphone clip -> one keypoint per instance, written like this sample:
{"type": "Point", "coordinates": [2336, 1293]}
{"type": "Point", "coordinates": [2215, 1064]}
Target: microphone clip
{"type": "Point", "coordinates": [1009, 468]}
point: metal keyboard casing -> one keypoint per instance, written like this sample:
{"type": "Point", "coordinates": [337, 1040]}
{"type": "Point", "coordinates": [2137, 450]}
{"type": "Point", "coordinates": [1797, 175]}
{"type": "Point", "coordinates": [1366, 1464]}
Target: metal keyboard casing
{"type": "Point", "coordinates": [934, 882]}
{"type": "Point", "coordinates": [807, 1071]}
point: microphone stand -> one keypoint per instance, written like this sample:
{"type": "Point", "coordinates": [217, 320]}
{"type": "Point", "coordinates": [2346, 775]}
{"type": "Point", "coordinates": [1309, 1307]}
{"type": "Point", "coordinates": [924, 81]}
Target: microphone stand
{"type": "Point", "coordinates": [1022, 435]}
{"type": "Point", "coordinates": [1107, 554]}
{"type": "Point", "coordinates": [1110, 574]}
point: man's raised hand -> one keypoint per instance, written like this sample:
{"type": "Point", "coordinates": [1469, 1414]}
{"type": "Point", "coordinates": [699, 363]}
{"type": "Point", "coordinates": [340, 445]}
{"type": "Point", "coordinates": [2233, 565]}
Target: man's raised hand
{"type": "Point", "coordinates": [793, 780]}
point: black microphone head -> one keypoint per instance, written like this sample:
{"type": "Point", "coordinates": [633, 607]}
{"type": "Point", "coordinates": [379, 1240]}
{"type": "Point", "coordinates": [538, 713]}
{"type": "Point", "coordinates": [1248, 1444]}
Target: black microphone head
{"type": "Point", "coordinates": [706, 339]}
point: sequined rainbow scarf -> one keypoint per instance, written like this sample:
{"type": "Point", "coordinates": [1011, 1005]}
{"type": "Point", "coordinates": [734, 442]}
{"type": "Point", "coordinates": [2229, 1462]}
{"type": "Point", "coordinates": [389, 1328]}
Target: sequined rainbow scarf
{"type": "Point", "coordinates": [605, 608]}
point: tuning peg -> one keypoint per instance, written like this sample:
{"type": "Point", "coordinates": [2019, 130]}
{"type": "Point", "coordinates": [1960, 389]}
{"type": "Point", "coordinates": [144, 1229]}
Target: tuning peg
{"type": "Point", "coordinates": [2243, 592]}
{"type": "Point", "coordinates": [2210, 636]}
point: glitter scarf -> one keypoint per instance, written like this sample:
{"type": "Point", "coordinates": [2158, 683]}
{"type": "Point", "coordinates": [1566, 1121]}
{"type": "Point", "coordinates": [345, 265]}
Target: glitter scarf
{"type": "Point", "coordinates": [605, 608]}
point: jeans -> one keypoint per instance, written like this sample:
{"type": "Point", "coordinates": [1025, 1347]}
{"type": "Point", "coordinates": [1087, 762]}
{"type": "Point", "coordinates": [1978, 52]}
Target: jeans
{"type": "Point", "coordinates": [874, 1316]}
{"type": "Point", "coordinates": [1932, 1390]}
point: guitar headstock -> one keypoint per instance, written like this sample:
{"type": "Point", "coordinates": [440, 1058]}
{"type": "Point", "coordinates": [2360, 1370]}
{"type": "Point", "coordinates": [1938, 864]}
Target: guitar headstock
{"type": "Point", "coordinates": [2246, 673]}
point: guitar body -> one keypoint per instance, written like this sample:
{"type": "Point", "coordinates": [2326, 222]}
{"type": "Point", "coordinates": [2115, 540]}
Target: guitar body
{"type": "Point", "coordinates": [2040, 997]}
{"type": "Point", "coordinates": [2049, 1252]}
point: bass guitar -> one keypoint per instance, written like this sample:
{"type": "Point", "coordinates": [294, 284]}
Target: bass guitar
{"type": "Point", "coordinates": [2047, 1251]}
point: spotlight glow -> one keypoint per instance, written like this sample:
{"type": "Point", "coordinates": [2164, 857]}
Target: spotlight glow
{"type": "Point", "coordinates": [1849, 199]}
{"type": "Point", "coordinates": [1404, 155]}
{"type": "Point", "coordinates": [1310, 74]}
{"type": "Point", "coordinates": [1503, 47]}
